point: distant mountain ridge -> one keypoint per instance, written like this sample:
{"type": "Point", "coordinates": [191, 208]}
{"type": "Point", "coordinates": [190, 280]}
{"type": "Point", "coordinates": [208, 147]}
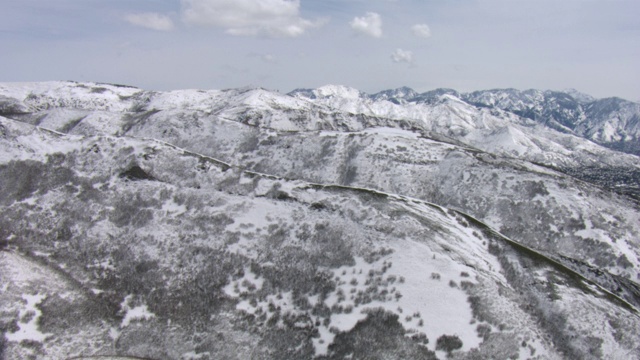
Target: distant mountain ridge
{"type": "Point", "coordinates": [611, 122]}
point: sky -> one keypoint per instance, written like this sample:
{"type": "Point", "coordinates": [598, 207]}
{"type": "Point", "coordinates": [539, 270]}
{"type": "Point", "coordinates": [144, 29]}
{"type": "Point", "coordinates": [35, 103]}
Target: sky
{"type": "Point", "coordinates": [372, 45]}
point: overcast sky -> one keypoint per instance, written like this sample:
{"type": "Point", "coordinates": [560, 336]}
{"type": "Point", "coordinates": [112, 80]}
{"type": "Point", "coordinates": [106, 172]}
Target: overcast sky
{"type": "Point", "coordinates": [372, 45]}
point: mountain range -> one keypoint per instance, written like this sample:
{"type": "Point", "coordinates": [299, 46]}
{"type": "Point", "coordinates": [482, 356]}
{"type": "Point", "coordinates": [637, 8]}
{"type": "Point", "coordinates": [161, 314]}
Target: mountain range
{"type": "Point", "coordinates": [324, 223]}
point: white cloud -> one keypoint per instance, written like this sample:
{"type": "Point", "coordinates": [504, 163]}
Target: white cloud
{"type": "Point", "coordinates": [370, 24]}
{"type": "Point", "coordinates": [277, 18]}
{"type": "Point", "coordinates": [421, 30]}
{"type": "Point", "coordinates": [400, 56]}
{"type": "Point", "coordinates": [151, 21]}
{"type": "Point", "coordinates": [268, 58]}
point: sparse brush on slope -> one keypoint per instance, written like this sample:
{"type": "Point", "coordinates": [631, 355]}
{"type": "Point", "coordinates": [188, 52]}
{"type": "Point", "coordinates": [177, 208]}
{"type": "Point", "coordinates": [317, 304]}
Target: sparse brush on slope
{"type": "Point", "coordinates": [247, 224]}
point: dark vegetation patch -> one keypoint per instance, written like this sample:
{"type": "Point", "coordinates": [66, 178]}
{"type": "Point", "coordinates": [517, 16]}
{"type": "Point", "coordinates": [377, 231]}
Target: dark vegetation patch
{"type": "Point", "coordinates": [144, 342]}
{"type": "Point", "coordinates": [136, 173]}
{"type": "Point", "coordinates": [99, 90]}
{"type": "Point", "coordinates": [285, 343]}
{"type": "Point", "coordinates": [539, 296]}
{"type": "Point", "coordinates": [20, 180]}
{"type": "Point", "coordinates": [318, 206]}
{"type": "Point", "coordinates": [379, 336]}
{"type": "Point", "coordinates": [118, 85]}
{"type": "Point", "coordinates": [296, 270]}
{"type": "Point", "coordinates": [190, 302]}
{"type": "Point", "coordinates": [628, 146]}
{"type": "Point", "coordinates": [10, 107]}
{"type": "Point", "coordinates": [499, 244]}
{"type": "Point", "coordinates": [349, 175]}
{"type": "Point", "coordinates": [134, 119]}
{"type": "Point", "coordinates": [132, 210]}
{"type": "Point", "coordinates": [483, 331]}
{"type": "Point", "coordinates": [66, 128]}
{"type": "Point", "coordinates": [533, 188]}
{"type": "Point", "coordinates": [378, 254]}
{"type": "Point", "coordinates": [448, 343]}
{"type": "Point", "coordinates": [622, 180]}
{"type": "Point", "coordinates": [332, 246]}
{"type": "Point", "coordinates": [3, 340]}
{"type": "Point", "coordinates": [249, 143]}
{"type": "Point", "coordinates": [623, 287]}
{"type": "Point", "coordinates": [367, 196]}
{"type": "Point", "coordinates": [59, 313]}
{"type": "Point", "coordinates": [277, 194]}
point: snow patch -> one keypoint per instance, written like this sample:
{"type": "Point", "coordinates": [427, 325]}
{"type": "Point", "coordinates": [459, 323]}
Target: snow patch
{"type": "Point", "coordinates": [29, 330]}
{"type": "Point", "coordinates": [338, 91]}
{"type": "Point", "coordinates": [140, 312]}
{"type": "Point", "coordinates": [171, 207]}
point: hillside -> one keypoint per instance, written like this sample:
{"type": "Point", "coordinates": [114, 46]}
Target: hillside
{"type": "Point", "coordinates": [324, 224]}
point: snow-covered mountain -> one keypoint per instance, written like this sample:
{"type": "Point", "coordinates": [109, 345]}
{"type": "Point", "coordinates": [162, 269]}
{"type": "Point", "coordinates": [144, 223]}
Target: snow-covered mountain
{"type": "Point", "coordinates": [611, 122]}
{"type": "Point", "coordinates": [325, 223]}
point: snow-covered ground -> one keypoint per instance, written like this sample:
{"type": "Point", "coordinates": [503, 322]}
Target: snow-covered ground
{"type": "Point", "coordinates": [28, 324]}
{"type": "Point", "coordinates": [198, 229]}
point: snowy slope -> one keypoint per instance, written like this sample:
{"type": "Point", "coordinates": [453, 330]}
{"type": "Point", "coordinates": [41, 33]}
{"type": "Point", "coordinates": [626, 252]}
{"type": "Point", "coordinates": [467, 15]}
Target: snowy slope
{"type": "Point", "coordinates": [121, 167]}
{"type": "Point", "coordinates": [161, 253]}
{"type": "Point", "coordinates": [424, 149]}
{"type": "Point", "coordinates": [612, 122]}
{"type": "Point", "coordinates": [470, 117]}
{"type": "Point", "coordinates": [86, 96]}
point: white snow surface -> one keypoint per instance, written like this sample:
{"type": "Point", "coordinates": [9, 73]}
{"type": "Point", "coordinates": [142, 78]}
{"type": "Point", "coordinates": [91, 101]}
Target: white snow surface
{"type": "Point", "coordinates": [508, 134]}
{"type": "Point", "coordinates": [86, 96]}
{"type": "Point", "coordinates": [422, 284]}
{"type": "Point", "coordinates": [29, 330]}
{"type": "Point", "coordinates": [131, 313]}
{"type": "Point", "coordinates": [425, 292]}
{"type": "Point", "coordinates": [338, 91]}
{"type": "Point", "coordinates": [443, 308]}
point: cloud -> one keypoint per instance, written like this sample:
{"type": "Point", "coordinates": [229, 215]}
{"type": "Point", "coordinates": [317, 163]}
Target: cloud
{"type": "Point", "coordinates": [421, 30]}
{"type": "Point", "coordinates": [370, 24]}
{"type": "Point", "coordinates": [400, 56]}
{"type": "Point", "coordinates": [151, 21]}
{"type": "Point", "coordinates": [276, 18]}
{"type": "Point", "coordinates": [268, 58]}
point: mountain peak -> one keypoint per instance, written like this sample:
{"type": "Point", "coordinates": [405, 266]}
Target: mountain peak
{"type": "Point", "coordinates": [404, 92]}
{"type": "Point", "coordinates": [341, 91]}
{"type": "Point", "coordinates": [328, 91]}
{"type": "Point", "coordinates": [579, 96]}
